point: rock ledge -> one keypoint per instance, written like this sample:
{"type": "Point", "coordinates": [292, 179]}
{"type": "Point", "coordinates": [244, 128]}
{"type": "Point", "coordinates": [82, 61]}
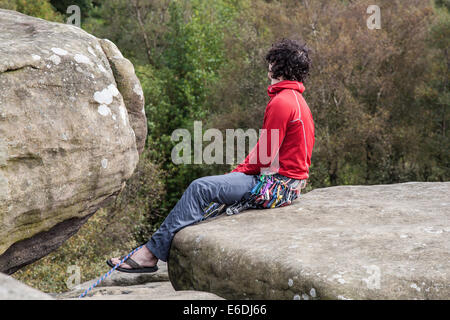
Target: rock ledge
{"type": "Point", "coordinates": [346, 242]}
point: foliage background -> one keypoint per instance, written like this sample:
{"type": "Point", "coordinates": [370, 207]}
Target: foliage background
{"type": "Point", "coordinates": [379, 98]}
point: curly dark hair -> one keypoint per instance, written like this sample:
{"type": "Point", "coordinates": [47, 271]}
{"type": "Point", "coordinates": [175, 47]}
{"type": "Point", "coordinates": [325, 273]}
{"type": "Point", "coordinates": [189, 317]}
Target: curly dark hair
{"type": "Point", "coordinates": [290, 60]}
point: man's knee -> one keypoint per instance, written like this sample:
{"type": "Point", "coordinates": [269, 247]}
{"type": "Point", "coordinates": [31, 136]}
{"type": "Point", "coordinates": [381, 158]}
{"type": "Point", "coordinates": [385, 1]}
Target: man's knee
{"type": "Point", "coordinates": [198, 184]}
{"type": "Point", "coordinates": [204, 187]}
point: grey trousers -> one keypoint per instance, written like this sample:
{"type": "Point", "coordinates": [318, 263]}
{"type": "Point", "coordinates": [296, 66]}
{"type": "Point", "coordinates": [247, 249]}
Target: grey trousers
{"type": "Point", "coordinates": [227, 188]}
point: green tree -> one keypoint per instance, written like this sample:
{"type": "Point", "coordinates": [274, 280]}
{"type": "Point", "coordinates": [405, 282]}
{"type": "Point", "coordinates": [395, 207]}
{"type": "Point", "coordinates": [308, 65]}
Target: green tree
{"type": "Point", "coordinates": [36, 8]}
{"type": "Point", "coordinates": [434, 95]}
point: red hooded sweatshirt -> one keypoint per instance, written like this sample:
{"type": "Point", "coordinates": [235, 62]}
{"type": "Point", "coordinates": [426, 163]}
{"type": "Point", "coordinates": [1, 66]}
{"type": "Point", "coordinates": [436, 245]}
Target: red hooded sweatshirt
{"type": "Point", "coordinates": [291, 151]}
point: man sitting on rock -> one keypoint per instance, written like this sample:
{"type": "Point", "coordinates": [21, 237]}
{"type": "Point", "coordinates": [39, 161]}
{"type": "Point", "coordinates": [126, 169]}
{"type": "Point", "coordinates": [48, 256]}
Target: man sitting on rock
{"type": "Point", "coordinates": [287, 115]}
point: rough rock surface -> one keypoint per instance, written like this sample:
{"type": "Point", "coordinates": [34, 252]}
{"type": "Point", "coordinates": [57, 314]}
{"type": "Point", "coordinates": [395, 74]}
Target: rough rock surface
{"type": "Point", "coordinates": [72, 124]}
{"type": "Point", "coordinates": [11, 289]}
{"type": "Point", "coordinates": [150, 291]}
{"type": "Point", "coordinates": [130, 89]}
{"type": "Point", "coordinates": [346, 242]}
{"type": "Point", "coordinates": [132, 286]}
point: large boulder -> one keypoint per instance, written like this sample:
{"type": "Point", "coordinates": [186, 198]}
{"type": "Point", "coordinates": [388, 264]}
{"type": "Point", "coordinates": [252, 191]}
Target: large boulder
{"type": "Point", "coordinates": [346, 242]}
{"type": "Point", "coordinates": [72, 124]}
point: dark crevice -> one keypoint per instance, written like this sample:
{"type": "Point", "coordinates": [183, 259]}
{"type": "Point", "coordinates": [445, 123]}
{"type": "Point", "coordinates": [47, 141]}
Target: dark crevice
{"type": "Point", "coordinates": [19, 68]}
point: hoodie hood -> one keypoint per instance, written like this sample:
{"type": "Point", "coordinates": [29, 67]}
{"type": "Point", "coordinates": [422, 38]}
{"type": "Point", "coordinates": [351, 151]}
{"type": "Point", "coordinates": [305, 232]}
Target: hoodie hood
{"type": "Point", "coordinates": [273, 89]}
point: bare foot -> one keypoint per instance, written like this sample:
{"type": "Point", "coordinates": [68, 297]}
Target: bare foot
{"type": "Point", "coordinates": [143, 256]}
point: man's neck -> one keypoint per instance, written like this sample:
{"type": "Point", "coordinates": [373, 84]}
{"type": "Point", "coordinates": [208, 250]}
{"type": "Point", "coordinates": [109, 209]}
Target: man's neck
{"type": "Point", "coordinates": [274, 81]}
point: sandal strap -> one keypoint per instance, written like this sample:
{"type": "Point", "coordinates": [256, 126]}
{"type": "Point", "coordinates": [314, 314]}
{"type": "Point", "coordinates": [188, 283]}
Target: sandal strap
{"type": "Point", "coordinates": [133, 263]}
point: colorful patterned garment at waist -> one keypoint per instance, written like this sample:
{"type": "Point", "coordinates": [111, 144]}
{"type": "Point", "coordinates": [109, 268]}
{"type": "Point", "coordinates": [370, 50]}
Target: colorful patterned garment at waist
{"type": "Point", "coordinates": [271, 191]}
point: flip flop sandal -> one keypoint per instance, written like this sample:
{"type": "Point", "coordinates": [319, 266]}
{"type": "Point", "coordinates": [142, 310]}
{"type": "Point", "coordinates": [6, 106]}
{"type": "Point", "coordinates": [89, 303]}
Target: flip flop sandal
{"type": "Point", "coordinates": [135, 267]}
